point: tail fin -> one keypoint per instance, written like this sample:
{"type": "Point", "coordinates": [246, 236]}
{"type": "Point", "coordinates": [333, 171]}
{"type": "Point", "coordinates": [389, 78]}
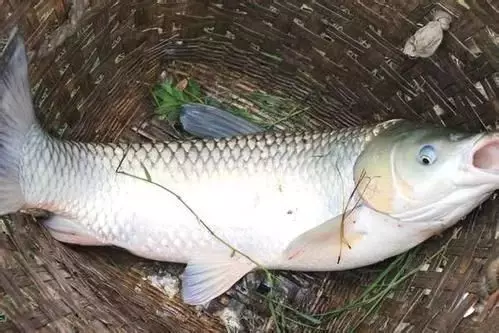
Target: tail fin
{"type": "Point", "coordinates": [16, 119]}
{"type": "Point", "coordinates": [206, 121]}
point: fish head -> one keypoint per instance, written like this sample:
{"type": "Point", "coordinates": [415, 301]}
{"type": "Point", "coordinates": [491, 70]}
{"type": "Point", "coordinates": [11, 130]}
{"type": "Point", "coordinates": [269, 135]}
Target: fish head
{"type": "Point", "coordinates": [425, 173]}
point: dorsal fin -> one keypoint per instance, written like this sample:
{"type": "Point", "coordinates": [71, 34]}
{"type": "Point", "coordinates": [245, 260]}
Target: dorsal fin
{"type": "Point", "coordinates": [206, 121]}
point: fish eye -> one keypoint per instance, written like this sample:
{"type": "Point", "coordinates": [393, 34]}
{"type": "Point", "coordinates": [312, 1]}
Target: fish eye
{"type": "Point", "coordinates": [427, 155]}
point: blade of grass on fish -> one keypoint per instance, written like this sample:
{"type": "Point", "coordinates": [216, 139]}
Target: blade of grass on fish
{"type": "Point", "coordinates": [178, 197]}
{"type": "Point", "coordinates": [359, 303]}
{"type": "Point", "coordinates": [345, 209]}
{"type": "Point", "coordinates": [202, 222]}
{"type": "Point", "coordinates": [348, 210]}
{"type": "Point", "coordinates": [198, 218]}
{"type": "Point", "coordinates": [148, 175]}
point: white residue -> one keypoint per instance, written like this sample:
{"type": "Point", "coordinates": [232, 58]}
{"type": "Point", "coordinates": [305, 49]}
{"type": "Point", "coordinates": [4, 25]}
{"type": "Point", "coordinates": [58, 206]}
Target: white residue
{"type": "Point", "coordinates": [463, 3]}
{"type": "Point", "coordinates": [479, 86]}
{"type": "Point", "coordinates": [162, 313]}
{"type": "Point", "coordinates": [230, 319]}
{"type": "Point", "coordinates": [424, 267]}
{"type": "Point", "coordinates": [469, 312]}
{"type": "Point", "coordinates": [427, 39]}
{"type": "Point", "coordinates": [166, 282]}
{"type": "Point", "coordinates": [438, 110]}
{"type": "Point", "coordinates": [401, 327]}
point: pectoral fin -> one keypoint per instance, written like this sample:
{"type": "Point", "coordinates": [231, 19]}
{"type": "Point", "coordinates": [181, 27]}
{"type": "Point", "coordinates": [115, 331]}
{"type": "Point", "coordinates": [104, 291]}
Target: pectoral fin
{"type": "Point", "coordinates": [332, 235]}
{"type": "Point", "coordinates": [209, 276]}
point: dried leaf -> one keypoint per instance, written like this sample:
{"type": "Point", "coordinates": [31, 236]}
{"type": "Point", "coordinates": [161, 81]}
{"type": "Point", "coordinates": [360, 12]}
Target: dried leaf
{"type": "Point", "coordinates": [182, 84]}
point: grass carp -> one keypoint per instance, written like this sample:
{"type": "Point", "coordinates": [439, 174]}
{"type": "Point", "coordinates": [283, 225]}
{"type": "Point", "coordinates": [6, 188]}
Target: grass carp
{"type": "Point", "coordinates": [242, 199]}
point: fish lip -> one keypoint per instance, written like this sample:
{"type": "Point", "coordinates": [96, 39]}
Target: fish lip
{"type": "Point", "coordinates": [479, 144]}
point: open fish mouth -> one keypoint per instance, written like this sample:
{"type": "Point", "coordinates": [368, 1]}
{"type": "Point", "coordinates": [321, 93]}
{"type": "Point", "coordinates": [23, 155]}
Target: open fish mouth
{"type": "Point", "coordinates": [485, 155]}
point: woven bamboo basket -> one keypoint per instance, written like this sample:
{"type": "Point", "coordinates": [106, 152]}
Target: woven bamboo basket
{"type": "Point", "coordinates": [92, 66]}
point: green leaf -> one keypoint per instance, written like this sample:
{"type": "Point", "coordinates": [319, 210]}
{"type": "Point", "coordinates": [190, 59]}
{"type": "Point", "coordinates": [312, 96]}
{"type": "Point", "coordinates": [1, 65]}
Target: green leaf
{"type": "Point", "coordinates": [179, 96]}
{"type": "Point", "coordinates": [194, 88]}
{"type": "Point", "coordinates": [168, 88]}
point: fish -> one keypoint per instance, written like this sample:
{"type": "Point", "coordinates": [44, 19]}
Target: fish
{"type": "Point", "coordinates": [238, 198]}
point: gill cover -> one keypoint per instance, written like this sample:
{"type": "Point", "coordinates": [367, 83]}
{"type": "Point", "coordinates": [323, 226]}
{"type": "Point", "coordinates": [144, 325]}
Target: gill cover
{"type": "Point", "coordinates": [373, 172]}
{"type": "Point", "coordinates": [408, 166]}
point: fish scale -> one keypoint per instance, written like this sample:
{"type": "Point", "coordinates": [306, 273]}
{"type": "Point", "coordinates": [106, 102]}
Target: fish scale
{"type": "Point", "coordinates": [76, 179]}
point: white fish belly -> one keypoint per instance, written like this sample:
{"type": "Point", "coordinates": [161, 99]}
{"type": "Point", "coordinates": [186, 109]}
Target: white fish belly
{"type": "Point", "coordinates": [256, 216]}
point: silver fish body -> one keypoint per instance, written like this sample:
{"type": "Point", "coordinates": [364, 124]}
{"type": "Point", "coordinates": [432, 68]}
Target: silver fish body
{"type": "Point", "coordinates": [228, 205]}
{"type": "Point", "coordinates": [256, 192]}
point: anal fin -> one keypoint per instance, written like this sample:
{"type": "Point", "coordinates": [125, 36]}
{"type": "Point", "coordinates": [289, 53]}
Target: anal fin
{"type": "Point", "coordinates": [67, 231]}
{"type": "Point", "coordinates": [209, 276]}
